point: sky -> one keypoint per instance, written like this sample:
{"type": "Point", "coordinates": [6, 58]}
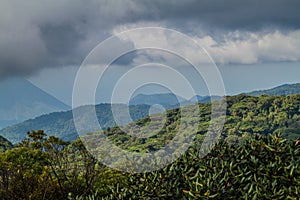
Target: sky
{"type": "Point", "coordinates": [254, 44]}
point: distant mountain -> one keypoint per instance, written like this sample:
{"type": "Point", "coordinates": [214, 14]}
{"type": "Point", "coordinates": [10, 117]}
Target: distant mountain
{"type": "Point", "coordinates": [204, 99]}
{"type": "Point", "coordinates": [26, 100]}
{"type": "Point", "coordinates": [61, 124]}
{"type": "Point", "coordinates": [285, 89]}
{"type": "Point", "coordinates": [167, 100]}
{"type": "Point", "coordinates": [21, 100]}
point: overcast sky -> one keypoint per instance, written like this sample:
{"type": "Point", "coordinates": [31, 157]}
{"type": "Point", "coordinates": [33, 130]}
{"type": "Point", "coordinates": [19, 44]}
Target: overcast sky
{"type": "Point", "coordinates": [255, 44]}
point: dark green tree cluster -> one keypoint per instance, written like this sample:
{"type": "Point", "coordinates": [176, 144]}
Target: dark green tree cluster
{"type": "Point", "coordinates": [245, 116]}
{"type": "Point", "coordinates": [49, 168]}
{"type": "Point", "coordinates": [248, 115]}
{"type": "Point", "coordinates": [259, 167]}
{"type": "Point", "coordinates": [251, 161]}
{"type": "Point", "coordinates": [5, 144]}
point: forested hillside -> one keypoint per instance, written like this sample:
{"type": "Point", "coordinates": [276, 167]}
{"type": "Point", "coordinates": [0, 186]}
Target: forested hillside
{"type": "Point", "coordinates": [245, 115]}
{"type": "Point", "coordinates": [285, 89]}
{"type": "Point", "coordinates": [61, 124]}
{"type": "Point", "coordinates": [256, 157]}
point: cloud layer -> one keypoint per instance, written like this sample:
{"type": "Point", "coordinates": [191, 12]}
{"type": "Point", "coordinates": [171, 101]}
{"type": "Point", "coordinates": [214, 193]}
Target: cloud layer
{"type": "Point", "coordinates": [251, 48]}
{"type": "Point", "coordinates": [238, 47]}
{"type": "Point", "coordinates": [34, 35]}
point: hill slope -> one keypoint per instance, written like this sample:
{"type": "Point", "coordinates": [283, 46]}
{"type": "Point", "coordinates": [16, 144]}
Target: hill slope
{"type": "Point", "coordinates": [246, 115]}
{"type": "Point", "coordinates": [285, 89]}
{"type": "Point", "coordinates": [61, 124]}
{"type": "Point", "coordinates": [21, 100]}
{"type": "Point", "coordinates": [275, 116]}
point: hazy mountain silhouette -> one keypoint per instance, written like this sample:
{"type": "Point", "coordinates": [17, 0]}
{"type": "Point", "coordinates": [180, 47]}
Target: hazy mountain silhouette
{"type": "Point", "coordinates": [204, 99]}
{"type": "Point", "coordinates": [61, 124]}
{"type": "Point", "coordinates": [167, 100]}
{"type": "Point", "coordinates": [21, 100]}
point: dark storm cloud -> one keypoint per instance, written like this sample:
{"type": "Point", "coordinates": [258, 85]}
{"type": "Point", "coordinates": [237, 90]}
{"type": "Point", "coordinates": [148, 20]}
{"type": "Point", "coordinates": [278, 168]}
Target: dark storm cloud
{"type": "Point", "coordinates": [61, 41]}
{"type": "Point", "coordinates": [34, 35]}
{"type": "Point", "coordinates": [229, 14]}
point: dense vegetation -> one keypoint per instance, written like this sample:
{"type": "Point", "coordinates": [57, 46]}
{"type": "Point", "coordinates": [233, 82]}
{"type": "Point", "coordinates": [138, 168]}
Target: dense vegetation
{"type": "Point", "coordinates": [246, 115]}
{"type": "Point", "coordinates": [261, 167]}
{"type": "Point", "coordinates": [61, 124]}
{"type": "Point", "coordinates": [263, 115]}
{"type": "Point", "coordinates": [257, 157]}
{"type": "Point", "coordinates": [5, 144]}
{"type": "Point", "coordinates": [285, 89]}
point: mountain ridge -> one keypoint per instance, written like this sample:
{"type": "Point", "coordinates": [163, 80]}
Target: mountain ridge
{"type": "Point", "coordinates": [284, 89]}
{"type": "Point", "coordinates": [61, 123]}
{"type": "Point", "coordinates": [21, 100]}
{"type": "Point", "coordinates": [164, 99]}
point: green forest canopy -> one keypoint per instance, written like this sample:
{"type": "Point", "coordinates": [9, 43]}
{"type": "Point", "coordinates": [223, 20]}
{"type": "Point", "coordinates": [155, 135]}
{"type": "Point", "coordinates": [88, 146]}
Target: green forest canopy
{"type": "Point", "coordinates": [258, 156]}
{"type": "Point", "coordinates": [245, 115]}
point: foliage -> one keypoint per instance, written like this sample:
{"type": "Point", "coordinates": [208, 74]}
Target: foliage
{"type": "Point", "coordinates": [61, 124]}
{"type": "Point", "coordinates": [285, 89]}
{"type": "Point", "coordinates": [245, 115]}
{"type": "Point", "coordinates": [261, 167]}
{"type": "Point", "coordinates": [258, 157]}
{"type": "Point", "coordinates": [5, 144]}
{"type": "Point", "coordinates": [47, 168]}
